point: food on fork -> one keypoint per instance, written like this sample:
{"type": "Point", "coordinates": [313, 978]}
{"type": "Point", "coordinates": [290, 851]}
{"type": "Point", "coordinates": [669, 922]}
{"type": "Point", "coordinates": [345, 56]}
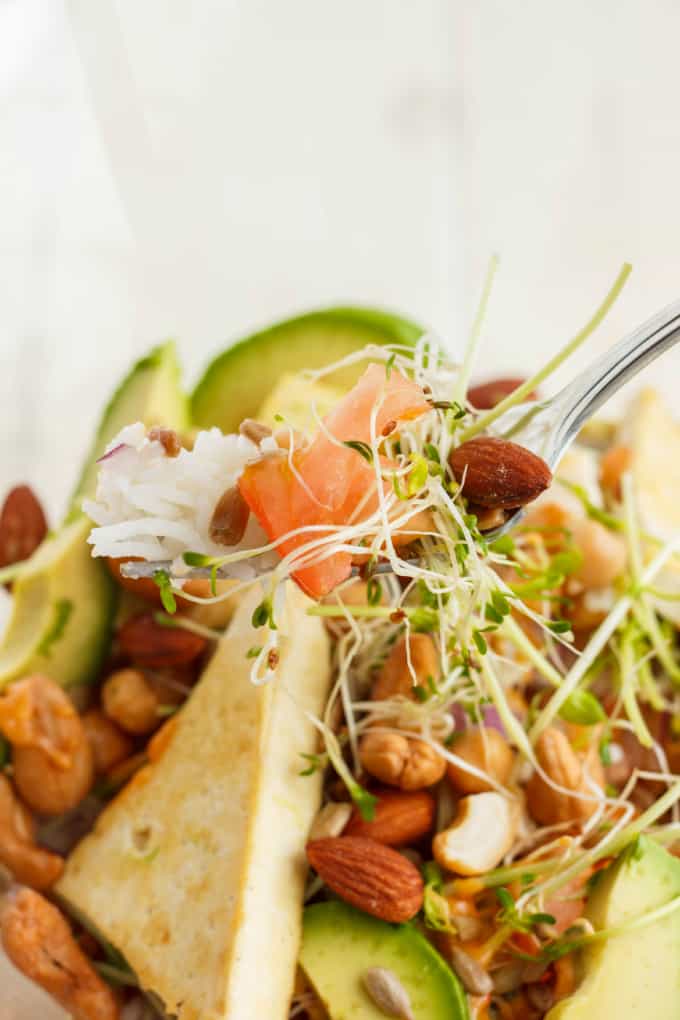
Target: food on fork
{"type": "Point", "coordinates": [346, 754]}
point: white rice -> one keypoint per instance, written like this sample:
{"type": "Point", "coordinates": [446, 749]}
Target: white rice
{"type": "Point", "coordinates": [157, 507]}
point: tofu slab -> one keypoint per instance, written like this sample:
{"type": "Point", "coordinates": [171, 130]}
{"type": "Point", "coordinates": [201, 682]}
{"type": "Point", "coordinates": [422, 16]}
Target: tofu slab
{"type": "Point", "coordinates": [195, 872]}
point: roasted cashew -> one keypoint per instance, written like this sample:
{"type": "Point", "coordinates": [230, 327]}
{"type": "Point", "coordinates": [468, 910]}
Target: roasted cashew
{"type": "Point", "coordinates": [28, 863]}
{"type": "Point", "coordinates": [51, 756]}
{"type": "Point", "coordinates": [39, 942]}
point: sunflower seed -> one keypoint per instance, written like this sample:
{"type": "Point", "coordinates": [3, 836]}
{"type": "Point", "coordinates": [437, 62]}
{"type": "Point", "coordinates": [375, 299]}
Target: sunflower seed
{"type": "Point", "coordinates": [388, 993]}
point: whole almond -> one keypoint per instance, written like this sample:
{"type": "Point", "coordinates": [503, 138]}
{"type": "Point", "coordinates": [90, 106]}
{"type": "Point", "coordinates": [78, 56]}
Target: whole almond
{"type": "Point", "coordinates": [22, 525]}
{"type": "Point", "coordinates": [150, 645]}
{"type": "Point", "coordinates": [372, 877]}
{"type": "Point", "coordinates": [497, 473]}
{"type": "Point", "coordinates": [400, 818]}
{"type": "Point", "coordinates": [486, 395]}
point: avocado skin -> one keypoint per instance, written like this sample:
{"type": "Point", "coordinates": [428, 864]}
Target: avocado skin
{"type": "Point", "coordinates": [340, 943]}
{"type": "Point", "coordinates": [633, 975]}
{"type": "Point", "coordinates": [237, 382]}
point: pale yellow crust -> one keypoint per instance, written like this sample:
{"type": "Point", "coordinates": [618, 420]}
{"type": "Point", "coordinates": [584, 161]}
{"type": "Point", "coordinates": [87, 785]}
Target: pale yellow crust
{"type": "Point", "coordinates": [209, 917]}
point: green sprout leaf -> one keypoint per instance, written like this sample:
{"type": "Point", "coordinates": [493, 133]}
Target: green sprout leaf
{"type": "Point", "coordinates": [263, 615]}
{"type": "Point", "coordinates": [417, 476]}
{"type": "Point", "coordinates": [424, 620]}
{"type": "Point", "coordinates": [364, 800]}
{"type": "Point", "coordinates": [479, 641]}
{"type": "Point", "coordinates": [363, 449]}
{"type": "Point", "coordinates": [560, 626]}
{"type": "Point", "coordinates": [504, 546]}
{"type": "Point", "coordinates": [162, 579]}
{"type": "Point", "coordinates": [431, 452]}
{"type": "Point", "coordinates": [315, 764]}
{"type": "Point", "coordinates": [605, 750]}
{"type": "Point", "coordinates": [436, 909]}
{"type": "Point", "coordinates": [583, 709]}
{"type": "Point", "coordinates": [194, 559]}
{"type": "Point", "coordinates": [374, 591]}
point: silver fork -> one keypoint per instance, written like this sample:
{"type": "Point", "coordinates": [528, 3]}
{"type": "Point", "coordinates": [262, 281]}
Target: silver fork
{"type": "Point", "coordinates": [547, 427]}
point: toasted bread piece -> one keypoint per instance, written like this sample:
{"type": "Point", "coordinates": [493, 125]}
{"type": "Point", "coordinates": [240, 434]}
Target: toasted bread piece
{"type": "Point", "coordinates": [195, 872]}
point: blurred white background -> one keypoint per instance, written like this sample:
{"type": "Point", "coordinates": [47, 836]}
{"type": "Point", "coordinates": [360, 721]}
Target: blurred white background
{"type": "Point", "coordinates": [197, 169]}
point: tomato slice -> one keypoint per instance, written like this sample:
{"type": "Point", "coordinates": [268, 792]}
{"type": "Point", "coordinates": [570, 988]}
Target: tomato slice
{"type": "Point", "coordinates": [329, 481]}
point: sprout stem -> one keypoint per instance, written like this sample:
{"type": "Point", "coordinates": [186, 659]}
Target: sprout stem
{"type": "Point", "coordinates": [523, 391]}
{"type": "Point", "coordinates": [466, 368]}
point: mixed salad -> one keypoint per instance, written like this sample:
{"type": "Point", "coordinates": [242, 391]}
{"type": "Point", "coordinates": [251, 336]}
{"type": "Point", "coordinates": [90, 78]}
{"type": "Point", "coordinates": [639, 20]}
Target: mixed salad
{"type": "Point", "coordinates": [495, 775]}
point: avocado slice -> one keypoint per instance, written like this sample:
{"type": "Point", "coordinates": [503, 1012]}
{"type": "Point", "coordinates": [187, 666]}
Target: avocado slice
{"type": "Point", "coordinates": [64, 601]}
{"type": "Point", "coordinates": [150, 393]}
{"type": "Point", "coordinates": [635, 974]}
{"type": "Point", "coordinates": [62, 611]}
{"type": "Point", "coordinates": [236, 384]}
{"type": "Point", "coordinates": [293, 397]}
{"type": "Point", "coordinates": [340, 943]}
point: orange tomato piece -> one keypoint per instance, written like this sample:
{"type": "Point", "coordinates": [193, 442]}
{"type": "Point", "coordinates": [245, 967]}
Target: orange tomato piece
{"type": "Point", "coordinates": [328, 482]}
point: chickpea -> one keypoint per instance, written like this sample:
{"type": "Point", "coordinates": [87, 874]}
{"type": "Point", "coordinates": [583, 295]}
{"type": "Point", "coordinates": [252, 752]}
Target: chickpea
{"type": "Point", "coordinates": [39, 942]}
{"type": "Point", "coordinates": [487, 750]}
{"type": "Point", "coordinates": [395, 677]}
{"type": "Point", "coordinates": [416, 525]}
{"type": "Point", "coordinates": [614, 464]}
{"type": "Point", "coordinates": [52, 759]}
{"type": "Point", "coordinates": [603, 554]}
{"type": "Point", "coordinates": [406, 762]}
{"type": "Point", "coordinates": [571, 773]}
{"type": "Point", "coordinates": [28, 863]}
{"type": "Point", "coordinates": [109, 744]}
{"type": "Point", "coordinates": [130, 700]}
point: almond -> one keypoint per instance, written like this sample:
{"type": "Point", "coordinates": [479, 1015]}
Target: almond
{"type": "Point", "coordinates": [372, 877]}
{"type": "Point", "coordinates": [400, 818]}
{"type": "Point", "coordinates": [150, 645]}
{"type": "Point", "coordinates": [497, 473]}
{"type": "Point", "coordinates": [486, 395]}
{"type": "Point", "coordinates": [22, 525]}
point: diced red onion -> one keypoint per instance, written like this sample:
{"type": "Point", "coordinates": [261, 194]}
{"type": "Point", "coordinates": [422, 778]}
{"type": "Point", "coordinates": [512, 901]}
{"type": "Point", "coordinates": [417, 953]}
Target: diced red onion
{"type": "Point", "coordinates": [113, 452]}
{"type": "Point", "coordinates": [490, 718]}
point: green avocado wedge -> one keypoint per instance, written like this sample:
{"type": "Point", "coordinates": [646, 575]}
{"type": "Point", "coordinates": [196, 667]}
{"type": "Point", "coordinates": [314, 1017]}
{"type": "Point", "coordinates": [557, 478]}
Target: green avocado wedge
{"type": "Point", "coordinates": [237, 382]}
{"type": "Point", "coordinates": [340, 943]}
{"type": "Point", "coordinates": [632, 974]}
{"type": "Point", "coordinates": [62, 612]}
{"type": "Point", "coordinates": [151, 393]}
{"type": "Point", "coordinates": [64, 601]}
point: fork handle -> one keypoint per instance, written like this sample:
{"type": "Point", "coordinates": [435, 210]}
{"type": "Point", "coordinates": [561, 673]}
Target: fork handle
{"type": "Point", "coordinates": [583, 396]}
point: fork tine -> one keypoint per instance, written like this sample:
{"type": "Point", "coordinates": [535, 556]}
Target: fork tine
{"type": "Point", "coordinates": [135, 570]}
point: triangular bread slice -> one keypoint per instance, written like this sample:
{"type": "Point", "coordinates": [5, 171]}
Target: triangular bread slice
{"type": "Point", "coordinates": [196, 873]}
